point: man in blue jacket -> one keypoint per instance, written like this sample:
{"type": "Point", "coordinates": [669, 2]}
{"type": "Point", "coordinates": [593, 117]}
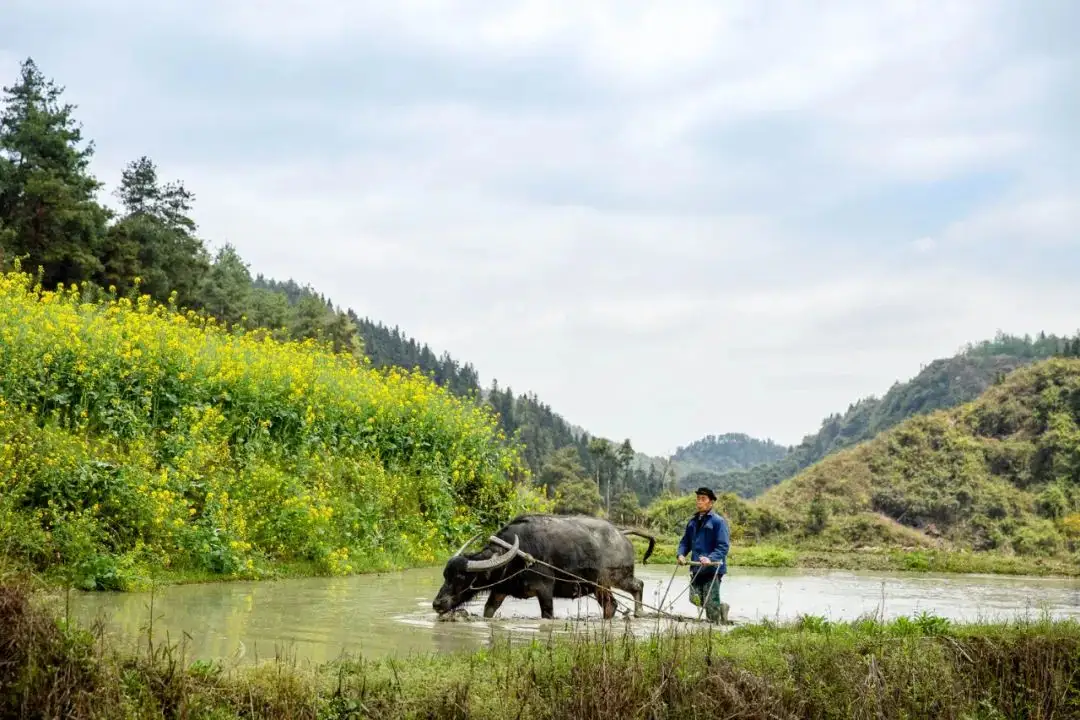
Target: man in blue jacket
{"type": "Point", "coordinates": [706, 540]}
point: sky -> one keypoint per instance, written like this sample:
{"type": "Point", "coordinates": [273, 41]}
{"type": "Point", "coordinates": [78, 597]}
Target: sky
{"type": "Point", "coordinates": [667, 220]}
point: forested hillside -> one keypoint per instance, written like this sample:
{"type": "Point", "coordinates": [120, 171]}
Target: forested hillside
{"type": "Point", "coordinates": [138, 438]}
{"type": "Point", "coordinates": [52, 217]}
{"type": "Point", "coordinates": [730, 451]}
{"type": "Point", "coordinates": [944, 383]}
{"type": "Point", "coordinates": [1000, 472]}
{"type": "Point", "coordinates": [541, 431]}
{"type": "Point", "coordinates": [162, 409]}
{"type": "Point", "coordinates": [702, 461]}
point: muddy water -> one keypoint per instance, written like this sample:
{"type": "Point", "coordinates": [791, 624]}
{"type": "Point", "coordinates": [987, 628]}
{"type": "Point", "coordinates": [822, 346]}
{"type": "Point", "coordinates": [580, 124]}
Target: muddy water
{"type": "Point", "coordinates": [316, 620]}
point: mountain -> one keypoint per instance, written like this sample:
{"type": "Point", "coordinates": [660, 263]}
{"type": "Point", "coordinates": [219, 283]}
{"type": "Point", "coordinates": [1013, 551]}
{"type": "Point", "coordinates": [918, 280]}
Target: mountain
{"type": "Point", "coordinates": [151, 246]}
{"type": "Point", "coordinates": [999, 472]}
{"type": "Point", "coordinates": [705, 461]}
{"type": "Point", "coordinates": [944, 383]}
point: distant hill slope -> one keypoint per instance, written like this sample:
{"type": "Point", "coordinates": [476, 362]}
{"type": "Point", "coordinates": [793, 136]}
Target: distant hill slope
{"type": "Point", "coordinates": [944, 383]}
{"type": "Point", "coordinates": [1002, 471]}
{"type": "Point", "coordinates": [704, 461]}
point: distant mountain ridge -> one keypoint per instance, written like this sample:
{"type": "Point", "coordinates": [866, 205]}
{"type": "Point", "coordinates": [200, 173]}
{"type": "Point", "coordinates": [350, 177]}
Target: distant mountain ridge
{"type": "Point", "coordinates": [998, 472]}
{"type": "Point", "coordinates": [943, 383]}
{"type": "Point", "coordinates": [703, 461]}
{"type": "Point", "coordinates": [732, 461]}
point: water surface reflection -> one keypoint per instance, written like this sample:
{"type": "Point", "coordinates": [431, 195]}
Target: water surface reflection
{"type": "Point", "coordinates": [317, 619]}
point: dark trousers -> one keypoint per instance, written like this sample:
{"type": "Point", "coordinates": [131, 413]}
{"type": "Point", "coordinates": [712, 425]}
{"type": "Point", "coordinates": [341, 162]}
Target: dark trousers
{"type": "Point", "coordinates": [706, 591]}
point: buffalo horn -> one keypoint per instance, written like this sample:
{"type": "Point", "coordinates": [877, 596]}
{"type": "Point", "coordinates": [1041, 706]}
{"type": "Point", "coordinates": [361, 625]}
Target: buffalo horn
{"type": "Point", "coordinates": [494, 562]}
{"type": "Point", "coordinates": [467, 544]}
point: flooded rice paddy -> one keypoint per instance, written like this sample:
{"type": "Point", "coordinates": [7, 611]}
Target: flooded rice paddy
{"type": "Point", "coordinates": [318, 619]}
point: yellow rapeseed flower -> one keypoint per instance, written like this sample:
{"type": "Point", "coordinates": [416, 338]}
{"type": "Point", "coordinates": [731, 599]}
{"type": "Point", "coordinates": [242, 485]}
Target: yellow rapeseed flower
{"type": "Point", "coordinates": [235, 435]}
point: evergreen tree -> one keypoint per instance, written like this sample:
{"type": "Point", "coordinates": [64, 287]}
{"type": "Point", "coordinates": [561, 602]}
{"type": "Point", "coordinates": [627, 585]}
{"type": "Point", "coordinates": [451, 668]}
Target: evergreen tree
{"type": "Point", "coordinates": [48, 199]}
{"type": "Point", "coordinates": [270, 310]}
{"type": "Point", "coordinates": [342, 334]}
{"type": "Point", "coordinates": [155, 240]}
{"type": "Point", "coordinates": [227, 286]}
{"type": "Point", "coordinates": [625, 456]}
{"type": "Point", "coordinates": [603, 454]}
{"type": "Point", "coordinates": [563, 467]}
{"type": "Point", "coordinates": [309, 319]}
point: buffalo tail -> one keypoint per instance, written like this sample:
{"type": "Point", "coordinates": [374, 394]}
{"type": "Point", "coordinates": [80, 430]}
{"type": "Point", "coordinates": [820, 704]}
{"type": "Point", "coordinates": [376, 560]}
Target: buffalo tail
{"type": "Point", "coordinates": [641, 534]}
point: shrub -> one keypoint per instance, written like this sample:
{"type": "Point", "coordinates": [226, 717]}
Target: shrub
{"type": "Point", "coordinates": [136, 435]}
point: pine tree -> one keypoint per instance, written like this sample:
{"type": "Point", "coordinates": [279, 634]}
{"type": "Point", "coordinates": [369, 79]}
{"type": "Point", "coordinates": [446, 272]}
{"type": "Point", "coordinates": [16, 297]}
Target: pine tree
{"type": "Point", "coordinates": [227, 286]}
{"type": "Point", "coordinates": [48, 203]}
{"type": "Point", "coordinates": [155, 239]}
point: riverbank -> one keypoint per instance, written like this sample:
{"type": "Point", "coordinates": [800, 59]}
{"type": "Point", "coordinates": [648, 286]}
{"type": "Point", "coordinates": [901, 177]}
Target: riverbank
{"type": "Point", "coordinates": [912, 667]}
{"type": "Point", "coordinates": [880, 559]}
{"type": "Point", "coordinates": [742, 556]}
{"type": "Point", "coordinates": [56, 580]}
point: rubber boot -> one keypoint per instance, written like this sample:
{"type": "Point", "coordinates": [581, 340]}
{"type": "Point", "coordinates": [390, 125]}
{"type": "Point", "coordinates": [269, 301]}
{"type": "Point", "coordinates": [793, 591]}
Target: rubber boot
{"type": "Point", "coordinates": [724, 608]}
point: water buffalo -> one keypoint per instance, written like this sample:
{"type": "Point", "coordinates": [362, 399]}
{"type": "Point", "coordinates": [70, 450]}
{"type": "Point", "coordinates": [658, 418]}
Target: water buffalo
{"type": "Point", "coordinates": [588, 547]}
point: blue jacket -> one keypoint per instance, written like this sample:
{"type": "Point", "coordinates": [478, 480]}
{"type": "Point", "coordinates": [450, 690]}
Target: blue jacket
{"type": "Point", "coordinates": [710, 538]}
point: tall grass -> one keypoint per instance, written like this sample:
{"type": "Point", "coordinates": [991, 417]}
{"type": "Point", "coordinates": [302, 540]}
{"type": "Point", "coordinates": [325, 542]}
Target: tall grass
{"type": "Point", "coordinates": [909, 668]}
{"type": "Point", "coordinates": [135, 437]}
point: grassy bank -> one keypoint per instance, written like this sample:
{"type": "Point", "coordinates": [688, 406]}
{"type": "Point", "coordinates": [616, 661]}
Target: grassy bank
{"type": "Point", "coordinates": [919, 667]}
{"type": "Point", "coordinates": [137, 440]}
{"type": "Point", "coordinates": [764, 555]}
{"type": "Point", "coordinates": [761, 537]}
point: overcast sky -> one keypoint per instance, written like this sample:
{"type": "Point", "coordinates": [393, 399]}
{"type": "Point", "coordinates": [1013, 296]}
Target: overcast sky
{"type": "Point", "coordinates": [667, 219]}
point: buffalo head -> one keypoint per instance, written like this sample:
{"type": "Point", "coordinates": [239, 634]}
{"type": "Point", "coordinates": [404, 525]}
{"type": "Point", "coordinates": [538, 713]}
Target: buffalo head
{"type": "Point", "coordinates": [462, 572]}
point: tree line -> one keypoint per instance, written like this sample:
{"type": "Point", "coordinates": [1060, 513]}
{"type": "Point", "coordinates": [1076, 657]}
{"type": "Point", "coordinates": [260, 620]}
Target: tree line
{"type": "Point", "coordinates": [52, 222]}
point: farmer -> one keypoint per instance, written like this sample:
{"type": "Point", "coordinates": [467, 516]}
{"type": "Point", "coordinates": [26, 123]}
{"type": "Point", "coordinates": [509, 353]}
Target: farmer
{"type": "Point", "coordinates": [706, 541]}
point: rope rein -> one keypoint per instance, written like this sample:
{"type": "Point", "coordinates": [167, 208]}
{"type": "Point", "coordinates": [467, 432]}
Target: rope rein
{"type": "Point", "coordinates": [488, 587]}
{"type": "Point", "coordinates": [531, 560]}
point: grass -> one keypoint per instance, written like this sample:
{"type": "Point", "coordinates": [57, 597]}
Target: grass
{"type": "Point", "coordinates": [909, 668]}
{"type": "Point", "coordinates": [765, 555]}
{"type": "Point", "coordinates": [761, 555]}
{"type": "Point", "coordinates": [862, 540]}
{"type": "Point", "coordinates": [283, 570]}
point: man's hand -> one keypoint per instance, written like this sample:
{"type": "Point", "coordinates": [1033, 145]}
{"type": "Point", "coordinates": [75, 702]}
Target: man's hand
{"type": "Point", "coordinates": [681, 560]}
{"type": "Point", "coordinates": [705, 560]}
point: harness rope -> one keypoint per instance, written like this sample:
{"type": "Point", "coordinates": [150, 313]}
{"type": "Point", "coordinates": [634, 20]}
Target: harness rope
{"type": "Point", "coordinates": [530, 560]}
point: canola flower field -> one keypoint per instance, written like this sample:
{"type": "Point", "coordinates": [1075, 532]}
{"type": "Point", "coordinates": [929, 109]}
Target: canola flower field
{"type": "Point", "coordinates": [137, 438]}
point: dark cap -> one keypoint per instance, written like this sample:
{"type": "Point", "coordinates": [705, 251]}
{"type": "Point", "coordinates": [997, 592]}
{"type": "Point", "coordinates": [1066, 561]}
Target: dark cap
{"type": "Point", "coordinates": [706, 492]}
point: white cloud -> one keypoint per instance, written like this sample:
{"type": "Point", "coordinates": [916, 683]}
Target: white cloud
{"type": "Point", "coordinates": [1025, 223]}
{"type": "Point", "coordinates": [924, 245]}
{"type": "Point", "coordinates": [932, 155]}
{"type": "Point", "coordinates": [666, 221]}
